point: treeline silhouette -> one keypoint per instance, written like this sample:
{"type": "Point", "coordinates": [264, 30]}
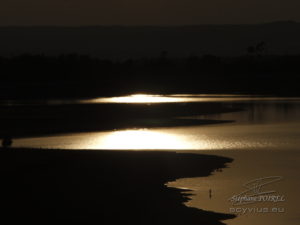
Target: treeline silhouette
{"type": "Point", "coordinates": [73, 75]}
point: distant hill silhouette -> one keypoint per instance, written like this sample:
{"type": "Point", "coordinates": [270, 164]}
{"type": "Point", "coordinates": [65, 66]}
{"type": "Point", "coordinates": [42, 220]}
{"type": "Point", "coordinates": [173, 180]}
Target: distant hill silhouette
{"type": "Point", "coordinates": [149, 41]}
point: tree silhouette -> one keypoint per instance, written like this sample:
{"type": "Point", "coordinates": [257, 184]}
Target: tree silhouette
{"type": "Point", "coordinates": [258, 49]}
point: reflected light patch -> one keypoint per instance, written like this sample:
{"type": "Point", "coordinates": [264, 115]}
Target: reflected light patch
{"type": "Point", "coordinates": [140, 98]}
{"type": "Point", "coordinates": [141, 139]}
{"type": "Point", "coordinates": [149, 99]}
{"type": "Point", "coordinates": [137, 98]}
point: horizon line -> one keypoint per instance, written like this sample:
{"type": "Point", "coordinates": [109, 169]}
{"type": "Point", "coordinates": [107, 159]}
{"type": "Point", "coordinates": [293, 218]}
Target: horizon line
{"type": "Point", "coordinates": [162, 26]}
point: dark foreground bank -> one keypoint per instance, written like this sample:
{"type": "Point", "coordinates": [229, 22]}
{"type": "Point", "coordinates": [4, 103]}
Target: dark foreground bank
{"type": "Point", "coordinates": [94, 187]}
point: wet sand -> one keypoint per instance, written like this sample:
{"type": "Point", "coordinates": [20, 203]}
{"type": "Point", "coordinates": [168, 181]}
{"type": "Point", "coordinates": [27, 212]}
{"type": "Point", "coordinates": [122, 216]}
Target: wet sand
{"type": "Point", "coordinates": [111, 187]}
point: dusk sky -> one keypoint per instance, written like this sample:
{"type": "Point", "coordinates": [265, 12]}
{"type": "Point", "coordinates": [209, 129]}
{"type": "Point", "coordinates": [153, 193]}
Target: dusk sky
{"type": "Point", "coordinates": [145, 12]}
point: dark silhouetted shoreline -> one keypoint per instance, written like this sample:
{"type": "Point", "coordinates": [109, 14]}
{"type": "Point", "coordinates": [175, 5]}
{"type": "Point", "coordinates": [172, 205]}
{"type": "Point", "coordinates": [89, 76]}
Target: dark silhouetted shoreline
{"type": "Point", "coordinates": [80, 76]}
{"type": "Point", "coordinates": [28, 120]}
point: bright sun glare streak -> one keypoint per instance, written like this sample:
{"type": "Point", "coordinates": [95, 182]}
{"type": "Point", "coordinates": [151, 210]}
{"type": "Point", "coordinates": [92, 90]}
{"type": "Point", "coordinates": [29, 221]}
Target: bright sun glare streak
{"type": "Point", "coordinates": [141, 98]}
{"type": "Point", "coordinates": [141, 139]}
{"type": "Point", "coordinates": [149, 99]}
{"type": "Point", "coordinates": [137, 98]}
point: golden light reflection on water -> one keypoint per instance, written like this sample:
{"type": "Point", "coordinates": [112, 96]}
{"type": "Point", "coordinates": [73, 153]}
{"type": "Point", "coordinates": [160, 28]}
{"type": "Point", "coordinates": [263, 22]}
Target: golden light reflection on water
{"type": "Point", "coordinates": [141, 139]}
{"type": "Point", "coordinates": [274, 135]}
{"type": "Point", "coordinates": [218, 137]}
{"type": "Point", "coordinates": [149, 99]}
{"type": "Point", "coordinates": [141, 98]}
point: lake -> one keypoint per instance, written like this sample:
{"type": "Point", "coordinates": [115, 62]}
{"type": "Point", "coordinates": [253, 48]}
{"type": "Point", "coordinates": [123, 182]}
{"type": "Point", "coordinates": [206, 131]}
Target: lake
{"type": "Point", "coordinates": [264, 123]}
{"type": "Point", "coordinates": [263, 139]}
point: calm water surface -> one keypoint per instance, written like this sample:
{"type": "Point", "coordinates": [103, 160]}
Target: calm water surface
{"type": "Point", "coordinates": [263, 140]}
{"type": "Point", "coordinates": [265, 122]}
